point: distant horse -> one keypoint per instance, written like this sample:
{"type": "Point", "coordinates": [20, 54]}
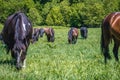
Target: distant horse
{"type": "Point", "coordinates": [72, 35]}
{"type": "Point", "coordinates": [83, 32]}
{"type": "Point", "coordinates": [110, 30]}
{"type": "Point", "coordinates": [49, 33]}
{"type": "Point", "coordinates": [16, 34]}
{"type": "Point", "coordinates": [35, 35]}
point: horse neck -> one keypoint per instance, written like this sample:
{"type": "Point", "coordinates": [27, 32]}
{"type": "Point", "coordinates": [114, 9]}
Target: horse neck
{"type": "Point", "coordinates": [51, 31]}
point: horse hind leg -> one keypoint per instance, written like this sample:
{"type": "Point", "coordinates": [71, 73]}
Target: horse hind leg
{"type": "Point", "coordinates": [106, 54]}
{"type": "Point", "coordinates": [106, 50]}
{"type": "Point", "coordinates": [115, 50]}
{"type": "Point", "coordinates": [105, 41]}
{"type": "Point", "coordinates": [48, 38]}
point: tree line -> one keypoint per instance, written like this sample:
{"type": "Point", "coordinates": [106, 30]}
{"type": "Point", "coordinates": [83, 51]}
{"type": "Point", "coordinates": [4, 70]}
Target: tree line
{"type": "Point", "coordinates": [68, 13]}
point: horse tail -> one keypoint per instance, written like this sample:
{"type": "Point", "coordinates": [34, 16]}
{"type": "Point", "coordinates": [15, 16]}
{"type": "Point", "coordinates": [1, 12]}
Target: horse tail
{"type": "Point", "coordinates": [105, 42]}
{"type": "Point", "coordinates": [102, 42]}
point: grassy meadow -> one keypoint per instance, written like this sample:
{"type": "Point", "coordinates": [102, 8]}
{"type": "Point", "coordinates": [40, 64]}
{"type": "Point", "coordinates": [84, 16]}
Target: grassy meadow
{"type": "Point", "coordinates": [62, 61]}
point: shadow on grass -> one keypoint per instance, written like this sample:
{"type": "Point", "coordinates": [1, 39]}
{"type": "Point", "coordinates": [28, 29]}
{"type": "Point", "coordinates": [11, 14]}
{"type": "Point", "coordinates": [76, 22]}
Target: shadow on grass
{"type": "Point", "coordinates": [82, 38]}
{"type": "Point", "coordinates": [7, 62]}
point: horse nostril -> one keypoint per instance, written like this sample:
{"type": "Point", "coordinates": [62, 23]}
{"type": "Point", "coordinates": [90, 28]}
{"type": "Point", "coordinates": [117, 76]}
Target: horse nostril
{"type": "Point", "coordinates": [41, 36]}
{"type": "Point", "coordinates": [18, 67]}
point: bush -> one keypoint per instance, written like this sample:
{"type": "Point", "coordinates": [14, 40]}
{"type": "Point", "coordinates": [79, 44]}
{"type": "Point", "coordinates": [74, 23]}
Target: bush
{"type": "Point", "coordinates": [35, 17]}
{"type": "Point", "coordinates": [55, 17]}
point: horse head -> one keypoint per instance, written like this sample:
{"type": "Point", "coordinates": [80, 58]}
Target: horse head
{"type": "Point", "coordinates": [19, 54]}
{"type": "Point", "coordinates": [41, 32]}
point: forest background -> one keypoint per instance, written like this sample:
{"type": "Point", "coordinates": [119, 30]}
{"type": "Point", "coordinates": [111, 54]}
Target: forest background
{"type": "Point", "coordinates": [76, 13]}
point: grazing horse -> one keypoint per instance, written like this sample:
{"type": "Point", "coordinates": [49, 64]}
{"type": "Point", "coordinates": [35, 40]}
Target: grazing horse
{"type": "Point", "coordinates": [83, 31]}
{"type": "Point", "coordinates": [72, 35]}
{"type": "Point", "coordinates": [49, 33]}
{"type": "Point", "coordinates": [35, 35]}
{"type": "Point", "coordinates": [110, 29]}
{"type": "Point", "coordinates": [16, 33]}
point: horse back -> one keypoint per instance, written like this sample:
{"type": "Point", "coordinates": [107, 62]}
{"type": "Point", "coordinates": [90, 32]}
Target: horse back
{"type": "Point", "coordinates": [111, 25]}
{"type": "Point", "coordinates": [49, 31]}
{"type": "Point", "coordinates": [16, 27]}
{"type": "Point", "coordinates": [115, 23]}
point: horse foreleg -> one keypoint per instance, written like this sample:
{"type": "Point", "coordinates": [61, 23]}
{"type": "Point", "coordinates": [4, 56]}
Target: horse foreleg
{"type": "Point", "coordinates": [7, 49]}
{"type": "Point", "coordinates": [48, 38]}
{"type": "Point", "coordinates": [75, 40]}
{"type": "Point", "coordinates": [24, 63]}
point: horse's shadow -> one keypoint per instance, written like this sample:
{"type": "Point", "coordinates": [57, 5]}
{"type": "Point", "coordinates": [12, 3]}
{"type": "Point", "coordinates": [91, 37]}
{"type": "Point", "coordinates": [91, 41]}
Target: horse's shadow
{"type": "Point", "coordinates": [7, 62]}
{"type": "Point", "coordinates": [82, 38]}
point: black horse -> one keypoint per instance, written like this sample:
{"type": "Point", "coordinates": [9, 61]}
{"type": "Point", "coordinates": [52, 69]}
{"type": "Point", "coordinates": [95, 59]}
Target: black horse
{"type": "Point", "coordinates": [110, 30]}
{"type": "Point", "coordinates": [49, 33]}
{"type": "Point", "coordinates": [35, 35]}
{"type": "Point", "coordinates": [84, 32]}
{"type": "Point", "coordinates": [16, 34]}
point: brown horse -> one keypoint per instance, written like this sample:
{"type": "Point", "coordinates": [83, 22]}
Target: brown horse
{"type": "Point", "coordinates": [73, 35]}
{"type": "Point", "coordinates": [16, 34]}
{"type": "Point", "coordinates": [110, 30]}
{"type": "Point", "coordinates": [49, 33]}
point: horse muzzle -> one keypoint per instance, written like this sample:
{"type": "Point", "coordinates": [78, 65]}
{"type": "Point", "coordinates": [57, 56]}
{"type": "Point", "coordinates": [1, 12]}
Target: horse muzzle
{"type": "Point", "coordinates": [19, 66]}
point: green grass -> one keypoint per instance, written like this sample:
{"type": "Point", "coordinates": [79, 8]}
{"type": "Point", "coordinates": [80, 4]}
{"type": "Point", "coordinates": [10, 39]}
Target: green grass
{"type": "Point", "coordinates": [62, 61]}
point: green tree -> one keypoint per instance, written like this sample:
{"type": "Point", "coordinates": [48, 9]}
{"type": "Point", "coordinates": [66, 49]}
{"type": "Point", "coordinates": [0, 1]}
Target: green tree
{"type": "Point", "coordinates": [55, 17]}
{"type": "Point", "coordinates": [61, 12]}
{"type": "Point", "coordinates": [77, 14]}
{"type": "Point", "coordinates": [35, 17]}
{"type": "Point", "coordinates": [66, 12]}
{"type": "Point", "coordinates": [9, 7]}
{"type": "Point", "coordinates": [93, 14]}
{"type": "Point", "coordinates": [110, 6]}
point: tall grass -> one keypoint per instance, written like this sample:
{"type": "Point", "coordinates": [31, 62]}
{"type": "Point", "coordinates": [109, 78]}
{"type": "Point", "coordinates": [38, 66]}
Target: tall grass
{"type": "Point", "coordinates": [62, 61]}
